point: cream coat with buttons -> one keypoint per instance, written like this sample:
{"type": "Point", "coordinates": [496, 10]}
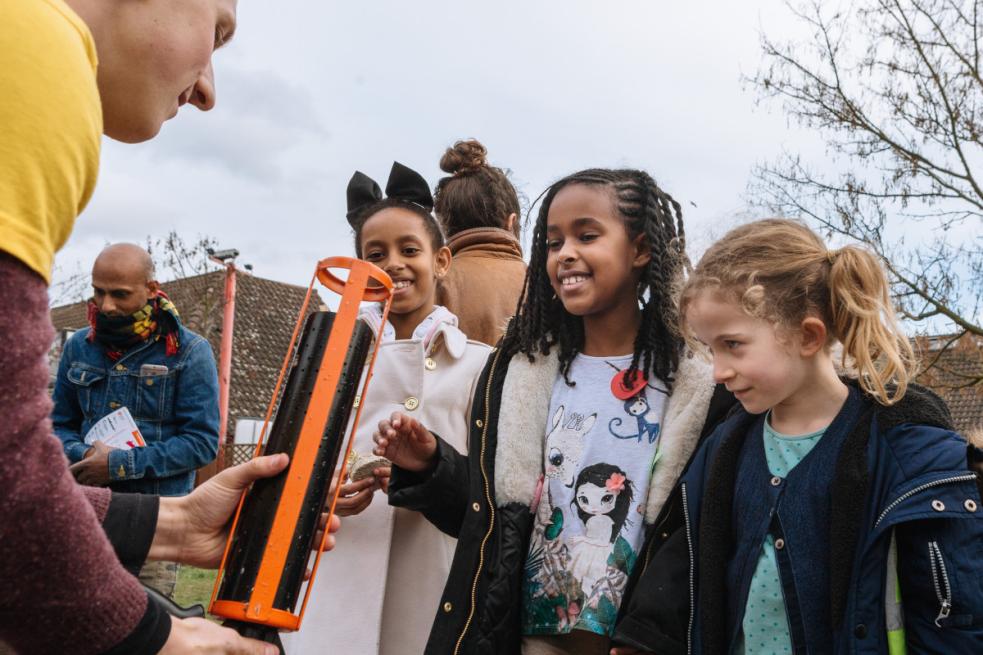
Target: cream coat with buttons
{"type": "Point", "coordinates": [378, 590]}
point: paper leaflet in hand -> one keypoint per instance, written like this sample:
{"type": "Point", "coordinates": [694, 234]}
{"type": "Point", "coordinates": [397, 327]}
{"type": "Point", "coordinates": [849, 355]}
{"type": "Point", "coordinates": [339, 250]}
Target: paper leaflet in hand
{"type": "Point", "coordinates": [116, 430]}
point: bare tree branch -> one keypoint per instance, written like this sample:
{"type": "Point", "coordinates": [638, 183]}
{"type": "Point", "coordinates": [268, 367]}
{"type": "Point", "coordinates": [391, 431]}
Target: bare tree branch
{"type": "Point", "coordinates": [895, 89]}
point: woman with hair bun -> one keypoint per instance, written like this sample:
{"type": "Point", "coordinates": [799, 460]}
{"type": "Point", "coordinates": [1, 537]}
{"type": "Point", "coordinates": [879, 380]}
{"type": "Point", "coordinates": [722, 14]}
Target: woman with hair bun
{"type": "Point", "coordinates": [478, 208]}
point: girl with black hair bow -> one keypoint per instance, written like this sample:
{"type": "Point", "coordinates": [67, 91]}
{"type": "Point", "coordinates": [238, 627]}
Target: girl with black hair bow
{"type": "Point", "coordinates": [545, 547]}
{"type": "Point", "coordinates": [378, 592]}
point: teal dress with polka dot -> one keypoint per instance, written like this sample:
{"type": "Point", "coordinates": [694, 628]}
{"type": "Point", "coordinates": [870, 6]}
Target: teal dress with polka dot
{"type": "Point", "coordinates": [766, 630]}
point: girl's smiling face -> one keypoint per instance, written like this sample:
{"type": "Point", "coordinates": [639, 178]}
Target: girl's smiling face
{"type": "Point", "coordinates": [592, 263]}
{"type": "Point", "coordinates": [397, 241]}
{"type": "Point", "coordinates": [596, 500]}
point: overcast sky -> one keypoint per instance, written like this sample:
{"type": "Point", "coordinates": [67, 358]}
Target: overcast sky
{"type": "Point", "coordinates": [308, 92]}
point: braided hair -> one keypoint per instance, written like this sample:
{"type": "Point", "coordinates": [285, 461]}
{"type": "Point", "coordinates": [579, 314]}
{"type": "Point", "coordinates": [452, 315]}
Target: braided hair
{"type": "Point", "coordinates": [541, 322]}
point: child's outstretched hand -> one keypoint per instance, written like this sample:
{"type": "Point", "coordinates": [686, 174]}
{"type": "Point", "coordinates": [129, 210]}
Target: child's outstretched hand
{"type": "Point", "coordinates": [405, 442]}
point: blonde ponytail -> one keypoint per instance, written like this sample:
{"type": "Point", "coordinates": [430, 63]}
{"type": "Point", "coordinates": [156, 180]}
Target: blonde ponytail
{"type": "Point", "coordinates": [780, 270]}
{"type": "Point", "coordinates": [865, 322]}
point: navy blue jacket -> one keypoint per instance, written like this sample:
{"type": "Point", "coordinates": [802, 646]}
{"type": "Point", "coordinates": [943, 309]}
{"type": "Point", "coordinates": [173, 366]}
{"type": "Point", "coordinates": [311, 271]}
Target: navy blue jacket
{"type": "Point", "coordinates": [901, 476]}
{"type": "Point", "coordinates": [175, 406]}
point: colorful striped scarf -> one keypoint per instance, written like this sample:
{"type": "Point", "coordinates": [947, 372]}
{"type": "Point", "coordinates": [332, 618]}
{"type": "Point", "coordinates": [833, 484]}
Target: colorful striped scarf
{"type": "Point", "coordinates": [158, 318]}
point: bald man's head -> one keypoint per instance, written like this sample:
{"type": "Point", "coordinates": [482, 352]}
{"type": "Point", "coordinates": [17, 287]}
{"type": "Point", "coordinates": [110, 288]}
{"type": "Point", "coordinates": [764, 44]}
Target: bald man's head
{"type": "Point", "coordinates": [123, 279]}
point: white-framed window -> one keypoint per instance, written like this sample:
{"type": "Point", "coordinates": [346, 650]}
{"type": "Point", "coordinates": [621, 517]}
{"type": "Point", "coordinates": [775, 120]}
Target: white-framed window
{"type": "Point", "coordinates": [248, 430]}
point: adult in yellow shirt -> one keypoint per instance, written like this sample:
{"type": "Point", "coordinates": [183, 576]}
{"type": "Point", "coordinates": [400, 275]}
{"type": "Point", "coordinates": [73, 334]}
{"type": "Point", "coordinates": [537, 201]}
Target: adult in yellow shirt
{"type": "Point", "coordinates": [149, 58]}
{"type": "Point", "coordinates": [71, 70]}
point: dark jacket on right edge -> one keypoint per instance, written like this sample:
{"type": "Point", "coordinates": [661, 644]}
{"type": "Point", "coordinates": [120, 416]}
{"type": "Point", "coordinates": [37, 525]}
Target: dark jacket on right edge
{"type": "Point", "coordinates": [487, 499]}
{"type": "Point", "coordinates": [901, 485]}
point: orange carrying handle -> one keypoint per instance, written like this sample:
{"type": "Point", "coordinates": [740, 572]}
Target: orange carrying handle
{"type": "Point", "coordinates": [365, 282]}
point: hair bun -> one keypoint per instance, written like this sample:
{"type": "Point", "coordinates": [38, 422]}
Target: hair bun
{"type": "Point", "coordinates": [464, 157]}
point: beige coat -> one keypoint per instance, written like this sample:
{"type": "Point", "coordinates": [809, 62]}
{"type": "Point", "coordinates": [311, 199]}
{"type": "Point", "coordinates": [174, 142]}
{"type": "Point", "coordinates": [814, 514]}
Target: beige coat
{"type": "Point", "coordinates": [378, 590]}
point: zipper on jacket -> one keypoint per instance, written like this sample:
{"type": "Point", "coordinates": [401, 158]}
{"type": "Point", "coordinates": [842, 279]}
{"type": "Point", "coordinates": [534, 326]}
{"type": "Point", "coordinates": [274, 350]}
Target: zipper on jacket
{"type": "Point", "coordinates": [488, 498]}
{"type": "Point", "coordinates": [692, 580]}
{"type": "Point", "coordinates": [920, 488]}
{"type": "Point", "coordinates": [943, 592]}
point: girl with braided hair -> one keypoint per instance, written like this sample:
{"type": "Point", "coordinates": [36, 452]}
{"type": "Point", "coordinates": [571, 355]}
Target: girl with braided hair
{"type": "Point", "coordinates": [541, 564]}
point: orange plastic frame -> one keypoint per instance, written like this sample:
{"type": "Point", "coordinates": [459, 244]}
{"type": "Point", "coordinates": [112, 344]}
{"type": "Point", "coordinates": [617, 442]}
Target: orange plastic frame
{"type": "Point", "coordinates": [353, 291]}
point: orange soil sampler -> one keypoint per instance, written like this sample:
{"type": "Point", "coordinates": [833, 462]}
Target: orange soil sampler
{"type": "Point", "coordinates": [273, 533]}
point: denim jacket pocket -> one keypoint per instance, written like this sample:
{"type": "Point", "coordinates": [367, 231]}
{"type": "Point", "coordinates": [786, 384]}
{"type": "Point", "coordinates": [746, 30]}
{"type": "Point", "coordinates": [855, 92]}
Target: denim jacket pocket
{"type": "Point", "coordinates": [154, 396]}
{"type": "Point", "coordinates": [85, 380]}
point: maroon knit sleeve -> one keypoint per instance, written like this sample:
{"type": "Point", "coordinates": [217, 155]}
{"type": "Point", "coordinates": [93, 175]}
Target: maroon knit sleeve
{"type": "Point", "coordinates": [64, 589]}
{"type": "Point", "coordinates": [99, 498]}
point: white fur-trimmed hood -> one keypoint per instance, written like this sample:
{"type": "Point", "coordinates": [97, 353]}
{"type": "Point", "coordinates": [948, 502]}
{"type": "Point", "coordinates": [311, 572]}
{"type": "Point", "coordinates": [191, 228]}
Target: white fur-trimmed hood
{"type": "Point", "coordinates": [522, 423]}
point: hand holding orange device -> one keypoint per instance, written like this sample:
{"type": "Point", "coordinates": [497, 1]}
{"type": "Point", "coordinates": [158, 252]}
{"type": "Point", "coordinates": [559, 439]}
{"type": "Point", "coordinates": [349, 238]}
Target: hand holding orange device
{"type": "Point", "coordinates": [263, 569]}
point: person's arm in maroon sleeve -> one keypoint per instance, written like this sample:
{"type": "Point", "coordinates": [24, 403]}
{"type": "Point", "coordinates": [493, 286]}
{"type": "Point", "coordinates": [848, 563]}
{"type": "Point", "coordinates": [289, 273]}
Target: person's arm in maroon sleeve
{"type": "Point", "coordinates": [66, 591]}
{"type": "Point", "coordinates": [66, 585]}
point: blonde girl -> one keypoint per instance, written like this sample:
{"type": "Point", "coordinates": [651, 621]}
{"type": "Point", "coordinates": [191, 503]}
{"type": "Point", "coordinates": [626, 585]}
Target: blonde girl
{"type": "Point", "coordinates": [830, 514]}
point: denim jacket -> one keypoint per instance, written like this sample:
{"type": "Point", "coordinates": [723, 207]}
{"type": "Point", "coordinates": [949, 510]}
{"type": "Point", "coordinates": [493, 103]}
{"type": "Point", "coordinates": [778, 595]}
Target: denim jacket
{"type": "Point", "coordinates": [176, 411]}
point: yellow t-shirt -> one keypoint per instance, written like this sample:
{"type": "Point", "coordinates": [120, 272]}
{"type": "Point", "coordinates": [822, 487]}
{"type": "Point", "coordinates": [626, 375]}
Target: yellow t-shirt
{"type": "Point", "coordinates": [50, 127]}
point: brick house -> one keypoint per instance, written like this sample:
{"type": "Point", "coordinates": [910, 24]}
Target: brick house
{"type": "Point", "coordinates": [956, 367]}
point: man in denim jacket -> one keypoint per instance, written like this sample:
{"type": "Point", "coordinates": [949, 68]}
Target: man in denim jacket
{"type": "Point", "coordinates": [167, 380]}
{"type": "Point", "coordinates": [136, 354]}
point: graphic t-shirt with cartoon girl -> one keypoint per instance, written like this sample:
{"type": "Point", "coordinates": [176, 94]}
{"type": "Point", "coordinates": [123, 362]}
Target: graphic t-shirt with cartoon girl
{"type": "Point", "coordinates": [599, 455]}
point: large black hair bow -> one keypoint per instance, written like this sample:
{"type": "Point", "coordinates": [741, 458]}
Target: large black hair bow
{"type": "Point", "coordinates": [404, 184]}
